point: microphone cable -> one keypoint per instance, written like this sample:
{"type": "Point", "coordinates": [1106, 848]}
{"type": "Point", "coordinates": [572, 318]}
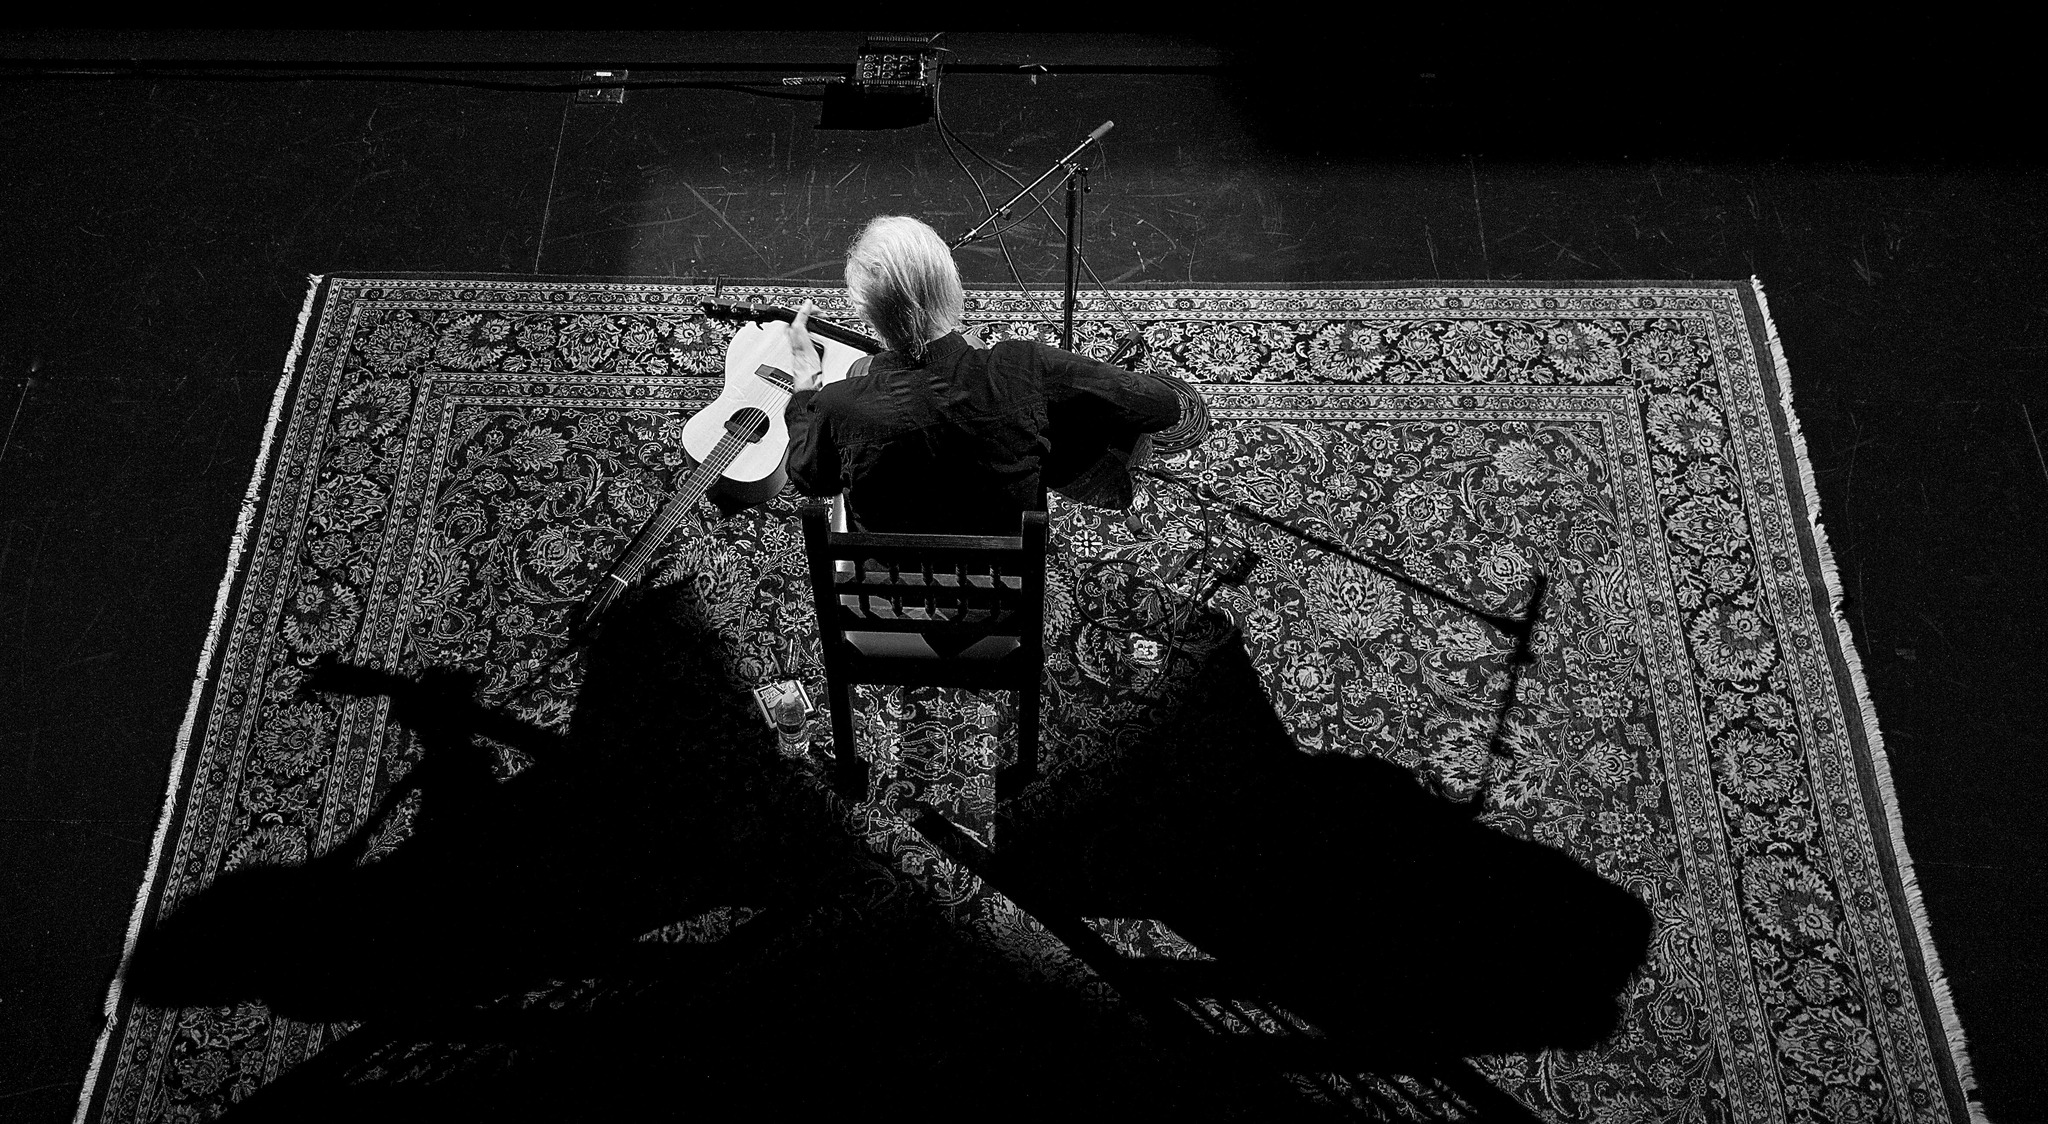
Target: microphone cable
{"type": "Point", "coordinates": [1519, 629]}
{"type": "Point", "coordinates": [1158, 610]}
{"type": "Point", "coordinates": [1515, 628]}
{"type": "Point", "coordinates": [939, 122]}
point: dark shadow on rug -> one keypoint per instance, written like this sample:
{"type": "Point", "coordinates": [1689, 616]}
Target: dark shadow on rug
{"type": "Point", "coordinates": [1337, 887]}
{"type": "Point", "coordinates": [491, 958]}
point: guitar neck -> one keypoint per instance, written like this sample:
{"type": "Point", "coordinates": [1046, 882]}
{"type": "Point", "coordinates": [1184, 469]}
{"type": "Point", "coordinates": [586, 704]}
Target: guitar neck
{"type": "Point", "coordinates": [629, 567]}
{"type": "Point", "coordinates": [837, 334]}
{"type": "Point", "coordinates": [824, 329]}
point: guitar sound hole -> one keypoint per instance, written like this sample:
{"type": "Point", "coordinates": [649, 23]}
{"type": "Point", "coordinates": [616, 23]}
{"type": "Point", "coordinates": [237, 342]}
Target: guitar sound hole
{"type": "Point", "coordinates": [748, 423]}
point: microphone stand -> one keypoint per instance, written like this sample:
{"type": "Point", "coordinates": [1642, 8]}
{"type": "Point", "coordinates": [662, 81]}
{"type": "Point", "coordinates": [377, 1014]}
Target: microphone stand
{"type": "Point", "coordinates": [1077, 182]}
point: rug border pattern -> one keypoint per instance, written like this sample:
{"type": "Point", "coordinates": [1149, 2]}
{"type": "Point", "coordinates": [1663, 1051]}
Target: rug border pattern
{"type": "Point", "coordinates": [1873, 764]}
{"type": "Point", "coordinates": [245, 520]}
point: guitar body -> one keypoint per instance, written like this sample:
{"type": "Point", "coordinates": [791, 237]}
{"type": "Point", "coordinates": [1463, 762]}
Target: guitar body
{"type": "Point", "coordinates": [757, 363]}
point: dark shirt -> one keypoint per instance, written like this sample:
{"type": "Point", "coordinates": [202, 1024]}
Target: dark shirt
{"type": "Point", "coordinates": [956, 444]}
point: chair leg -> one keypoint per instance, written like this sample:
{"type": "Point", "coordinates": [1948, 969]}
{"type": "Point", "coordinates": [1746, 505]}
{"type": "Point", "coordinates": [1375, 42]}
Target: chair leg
{"type": "Point", "coordinates": [1011, 781]}
{"type": "Point", "coordinates": [850, 773]}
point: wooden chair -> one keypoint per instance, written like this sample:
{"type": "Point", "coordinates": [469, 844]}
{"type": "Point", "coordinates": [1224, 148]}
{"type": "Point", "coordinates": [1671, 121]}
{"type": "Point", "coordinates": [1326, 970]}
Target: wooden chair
{"type": "Point", "coordinates": [929, 610]}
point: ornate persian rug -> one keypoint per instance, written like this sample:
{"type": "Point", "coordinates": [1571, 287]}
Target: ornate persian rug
{"type": "Point", "coordinates": [453, 461]}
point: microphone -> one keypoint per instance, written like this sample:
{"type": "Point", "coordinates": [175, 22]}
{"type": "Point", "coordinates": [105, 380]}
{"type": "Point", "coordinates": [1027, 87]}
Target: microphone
{"type": "Point", "coordinates": [1099, 130]}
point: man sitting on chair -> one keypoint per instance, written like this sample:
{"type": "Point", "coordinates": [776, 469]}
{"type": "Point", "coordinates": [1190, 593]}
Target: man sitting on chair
{"type": "Point", "coordinates": [945, 434]}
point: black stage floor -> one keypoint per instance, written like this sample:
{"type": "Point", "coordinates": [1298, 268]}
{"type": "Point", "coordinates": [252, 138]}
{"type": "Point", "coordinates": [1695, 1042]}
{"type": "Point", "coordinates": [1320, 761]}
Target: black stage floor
{"type": "Point", "coordinates": [159, 232]}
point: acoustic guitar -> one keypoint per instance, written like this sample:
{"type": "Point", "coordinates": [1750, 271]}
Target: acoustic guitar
{"type": "Point", "coordinates": [739, 443]}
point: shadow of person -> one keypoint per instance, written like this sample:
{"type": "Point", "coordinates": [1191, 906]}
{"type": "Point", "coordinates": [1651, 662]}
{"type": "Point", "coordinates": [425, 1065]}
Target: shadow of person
{"type": "Point", "coordinates": [492, 960]}
{"type": "Point", "coordinates": [1386, 916]}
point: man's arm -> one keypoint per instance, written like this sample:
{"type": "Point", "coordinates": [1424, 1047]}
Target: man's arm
{"type": "Point", "coordinates": [1145, 402]}
{"type": "Point", "coordinates": [813, 457]}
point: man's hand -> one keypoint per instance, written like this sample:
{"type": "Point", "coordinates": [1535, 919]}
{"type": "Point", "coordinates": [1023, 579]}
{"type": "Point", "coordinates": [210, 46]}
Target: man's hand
{"type": "Point", "coordinates": [804, 366]}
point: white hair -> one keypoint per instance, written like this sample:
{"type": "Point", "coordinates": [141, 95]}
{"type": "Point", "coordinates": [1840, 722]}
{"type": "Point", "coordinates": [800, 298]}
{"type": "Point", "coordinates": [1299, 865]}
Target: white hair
{"type": "Point", "coordinates": [902, 279]}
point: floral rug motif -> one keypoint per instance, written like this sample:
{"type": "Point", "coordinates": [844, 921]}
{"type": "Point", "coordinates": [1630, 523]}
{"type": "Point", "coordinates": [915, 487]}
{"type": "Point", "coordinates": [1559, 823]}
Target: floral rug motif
{"type": "Point", "coordinates": [455, 461]}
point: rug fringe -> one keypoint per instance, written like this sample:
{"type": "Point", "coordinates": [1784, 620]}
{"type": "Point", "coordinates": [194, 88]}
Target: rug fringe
{"type": "Point", "coordinates": [243, 521]}
{"type": "Point", "coordinates": [1944, 1002]}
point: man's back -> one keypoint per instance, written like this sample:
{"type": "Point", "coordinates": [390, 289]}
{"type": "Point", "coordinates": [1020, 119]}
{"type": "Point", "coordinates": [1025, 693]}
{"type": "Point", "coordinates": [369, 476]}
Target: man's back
{"type": "Point", "coordinates": [957, 443]}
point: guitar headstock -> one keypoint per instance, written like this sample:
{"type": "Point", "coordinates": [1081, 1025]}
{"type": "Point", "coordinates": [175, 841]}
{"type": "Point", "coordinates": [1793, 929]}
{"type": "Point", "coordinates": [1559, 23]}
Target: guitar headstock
{"type": "Point", "coordinates": [746, 312]}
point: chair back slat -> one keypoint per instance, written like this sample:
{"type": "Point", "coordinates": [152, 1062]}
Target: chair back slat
{"type": "Point", "coordinates": [992, 591]}
{"type": "Point", "coordinates": [942, 610]}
